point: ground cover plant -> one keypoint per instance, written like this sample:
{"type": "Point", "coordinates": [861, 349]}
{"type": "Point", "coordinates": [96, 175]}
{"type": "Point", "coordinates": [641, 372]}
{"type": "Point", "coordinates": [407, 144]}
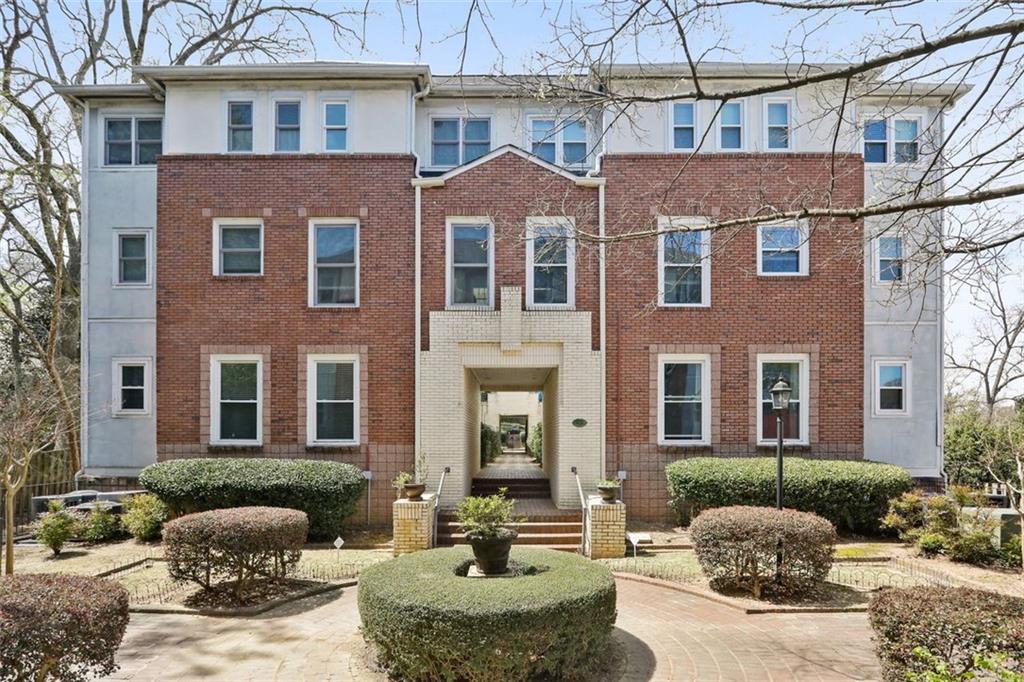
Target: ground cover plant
{"type": "Point", "coordinates": [852, 495]}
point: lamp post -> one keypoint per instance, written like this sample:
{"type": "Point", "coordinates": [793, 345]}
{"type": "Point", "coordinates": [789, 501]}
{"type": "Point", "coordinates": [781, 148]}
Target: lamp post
{"type": "Point", "coordinates": [781, 393]}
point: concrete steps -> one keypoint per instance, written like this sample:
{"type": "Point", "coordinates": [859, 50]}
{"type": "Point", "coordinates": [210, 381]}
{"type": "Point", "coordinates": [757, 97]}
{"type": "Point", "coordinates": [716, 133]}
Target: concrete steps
{"type": "Point", "coordinates": [518, 488]}
{"type": "Point", "coordinates": [553, 531]}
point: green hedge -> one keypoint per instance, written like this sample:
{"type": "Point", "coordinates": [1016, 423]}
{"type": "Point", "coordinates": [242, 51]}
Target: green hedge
{"type": "Point", "coordinates": [429, 623]}
{"type": "Point", "coordinates": [326, 491]}
{"type": "Point", "coordinates": [852, 495]}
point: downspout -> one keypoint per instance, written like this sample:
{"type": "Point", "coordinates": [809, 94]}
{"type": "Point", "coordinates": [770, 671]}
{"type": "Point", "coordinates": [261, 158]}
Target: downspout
{"type": "Point", "coordinates": [418, 321]}
{"type": "Point", "coordinates": [602, 303]}
{"type": "Point", "coordinates": [83, 292]}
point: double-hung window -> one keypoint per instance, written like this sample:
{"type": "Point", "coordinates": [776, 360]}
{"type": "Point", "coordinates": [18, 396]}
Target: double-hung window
{"type": "Point", "coordinates": [897, 139]}
{"type": "Point", "coordinates": [905, 144]}
{"type": "Point", "coordinates": [334, 262]}
{"type": "Point", "coordinates": [550, 265]}
{"type": "Point", "coordinates": [730, 126]}
{"type": "Point", "coordinates": [335, 126]}
{"type": "Point", "coordinates": [470, 263]}
{"type": "Point", "coordinates": [131, 386]}
{"type": "Point", "coordinates": [132, 266]}
{"type": "Point", "coordinates": [684, 263]}
{"type": "Point", "coordinates": [238, 246]}
{"type": "Point", "coordinates": [559, 141]}
{"type": "Point", "coordinates": [778, 124]}
{"type": "Point", "coordinates": [286, 126]}
{"type": "Point", "coordinates": [332, 400]}
{"type": "Point", "coordinates": [889, 259]}
{"type": "Point", "coordinates": [684, 400]}
{"type": "Point", "coordinates": [239, 126]}
{"type": "Point", "coordinates": [891, 387]}
{"type": "Point", "coordinates": [236, 400]}
{"type": "Point", "coordinates": [782, 250]}
{"type": "Point", "coordinates": [457, 140]}
{"type": "Point", "coordinates": [684, 125]}
{"type": "Point", "coordinates": [876, 141]}
{"type": "Point", "coordinates": [794, 369]}
{"type": "Point", "coordinates": [132, 141]}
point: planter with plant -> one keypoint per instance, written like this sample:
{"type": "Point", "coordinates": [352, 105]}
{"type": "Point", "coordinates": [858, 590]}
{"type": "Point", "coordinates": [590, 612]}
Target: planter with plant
{"type": "Point", "coordinates": [407, 486]}
{"type": "Point", "coordinates": [609, 489]}
{"type": "Point", "coordinates": [487, 523]}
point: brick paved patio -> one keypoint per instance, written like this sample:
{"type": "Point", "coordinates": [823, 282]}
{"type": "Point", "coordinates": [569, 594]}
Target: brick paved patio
{"type": "Point", "coordinates": [665, 635]}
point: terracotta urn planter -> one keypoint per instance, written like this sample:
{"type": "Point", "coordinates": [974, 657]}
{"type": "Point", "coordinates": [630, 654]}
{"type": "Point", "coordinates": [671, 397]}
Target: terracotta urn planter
{"type": "Point", "coordinates": [491, 551]}
{"type": "Point", "coordinates": [414, 491]}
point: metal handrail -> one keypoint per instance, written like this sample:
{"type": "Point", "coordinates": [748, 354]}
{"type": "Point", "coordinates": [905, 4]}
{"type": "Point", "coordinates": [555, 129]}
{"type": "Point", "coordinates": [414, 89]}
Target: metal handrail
{"type": "Point", "coordinates": [437, 506]}
{"type": "Point", "coordinates": [585, 511]}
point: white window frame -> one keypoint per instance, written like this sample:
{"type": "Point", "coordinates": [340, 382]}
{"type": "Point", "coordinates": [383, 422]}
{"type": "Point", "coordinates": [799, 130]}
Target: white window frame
{"type": "Point", "coordinates": [877, 260]}
{"type": "Point", "coordinates": [743, 127]}
{"type": "Point", "coordinates": [461, 143]}
{"type": "Point", "coordinates": [219, 223]}
{"type": "Point", "coordinates": [668, 222]}
{"type": "Point", "coordinates": [534, 225]}
{"type": "Point", "coordinates": [449, 281]}
{"type": "Point", "coordinates": [919, 118]}
{"type": "Point", "coordinates": [704, 361]}
{"type": "Point", "coordinates": [672, 125]}
{"type": "Point", "coordinates": [215, 362]}
{"type": "Point", "coordinates": [804, 250]}
{"type": "Point", "coordinates": [876, 368]}
{"type": "Point", "coordinates": [311, 401]}
{"type": "Point", "coordinates": [285, 99]}
{"type": "Point", "coordinates": [788, 101]}
{"type": "Point", "coordinates": [312, 266]}
{"type": "Point", "coordinates": [324, 127]}
{"type": "Point", "coordinates": [116, 251]}
{"type": "Point", "coordinates": [805, 399]}
{"type": "Point", "coordinates": [241, 99]}
{"type": "Point", "coordinates": [133, 117]}
{"type": "Point", "coordinates": [147, 386]}
{"type": "Point", "coordinates": [890, 137]}
{"type": "Point", "coordinates": [557, 137]}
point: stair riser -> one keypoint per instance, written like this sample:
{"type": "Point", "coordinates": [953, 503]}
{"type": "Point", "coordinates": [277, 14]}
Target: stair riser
{"type": "Point", "coordinates": [529, 542]}
{"type": "Point", "coordinates": [533, 518]}
{"type": "Point", "coordinates": [554, 528]}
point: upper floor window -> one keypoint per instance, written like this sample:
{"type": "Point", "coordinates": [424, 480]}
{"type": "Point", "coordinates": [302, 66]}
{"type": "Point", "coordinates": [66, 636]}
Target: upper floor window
{"type": "Point", "coordinates": [730, 126]}
{"type": "Point", "coordinates": [131, 386]}
{"type": "Point", "coordinates": [335, 126]}
{"type": "Point", "coordinates": [238, 247]}
{"type": "Point", "coordinates": [334, 263]}
{"type": "Point", "coordinates": [455, 140]}
{"type": "Point", "coordinates": [286, 126]}
{"type": "Point", "coordinates": [684, 264]}
{"type": "Point", "coordinates": [132, 267]}
{"type": "Point", "coordinates": [239, 126]}
{"type": "Point", "coordinates": [794, 370]}
{"type": "Point", "coordinates": [236, 399]}
{"type": "Point", "coordinates": [891, 387]}
{"type": "Point", "coordinates": [550, 264]}
{"type": "Point", "coordinates": [559, 141]}
{"type": "Point", "coordinates": [132, 140]}
{"type": "Point", "coordinates": [778, 125]}
{"type": "Point", "coordinates": [684, 125]}
{"type": "Point", "coordinates": [332, 399]}
{"type": "Point", "coordinates": [905, 132]}
{"type": "Point", "coordinates": [889, 258]}
{"type": "Point", "coordinates": [896, 139]}
{"type": "Point", "coordinates": [684, 400]}
{"type": "Point", "coordinates": [781, 250]}
{"type": "Point", "coordinates": [470, 264]}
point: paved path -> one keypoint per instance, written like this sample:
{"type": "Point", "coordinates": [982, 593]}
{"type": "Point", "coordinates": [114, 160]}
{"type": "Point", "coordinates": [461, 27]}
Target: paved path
{"type": "Point", "coordinates": [666, 635]}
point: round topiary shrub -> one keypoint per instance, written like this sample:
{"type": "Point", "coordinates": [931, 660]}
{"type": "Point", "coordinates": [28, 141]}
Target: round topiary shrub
{"type": "Point", "coordinates": [852, 495]}
{"type": "Point", "coordinates": [234, 544]}
{"type": "Point", "coordinates": [60, 627]}
{"type": "Point", "coordinates": [428, 622]}
{"type": "Point", "coordinates": [737, 547]}
{"type": "Point", "coordinates": [326, 491]}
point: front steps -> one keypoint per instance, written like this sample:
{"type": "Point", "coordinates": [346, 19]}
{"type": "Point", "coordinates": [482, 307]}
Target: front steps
{"type": "Point", "coordinates": [544, 526]}
{"type": "Point", "coordinates": [518, 488]}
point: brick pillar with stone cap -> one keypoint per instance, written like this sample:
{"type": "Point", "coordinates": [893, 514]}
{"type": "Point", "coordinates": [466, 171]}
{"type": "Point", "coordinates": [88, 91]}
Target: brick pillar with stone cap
{"type": "Point", "coordinates": [413, 523]}
{"type": "Point", "coordinates": [606, 531]}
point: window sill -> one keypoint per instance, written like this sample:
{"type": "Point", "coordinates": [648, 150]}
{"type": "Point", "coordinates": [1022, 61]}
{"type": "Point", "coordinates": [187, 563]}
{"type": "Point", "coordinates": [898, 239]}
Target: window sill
{"type": "Point", "coordinates": [684, 306]}
{"type": "Point", "coordinates": [902, 414]}
{"type": "Point", "coordinates": [332, 446]}
{"type": "Point", "coordinates": [683, 444]}
{"type": "Point", "coordinates": [469, 308]}
{"type": "Point", "coordinates": [230, 278]}
{"type": "Point", "coordinates": [541, 307]}
{"type": "Point", "coordinates": [241, 446]}
{"type": "Point", "coordinates": [123, 414]}
{"type": "Point", "coordinates": [123, 285]}
{"type": "Point", "coordinates": [783, 275]}
{"type": "Point", "coordinates": [791, 444]}
{"type": "Point", "coordinates": [334, 306]}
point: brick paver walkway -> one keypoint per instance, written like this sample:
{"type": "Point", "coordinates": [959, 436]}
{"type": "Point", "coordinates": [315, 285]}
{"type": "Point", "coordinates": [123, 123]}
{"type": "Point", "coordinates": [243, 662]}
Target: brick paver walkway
{"type": "Point", "coordinates": [665, 635]}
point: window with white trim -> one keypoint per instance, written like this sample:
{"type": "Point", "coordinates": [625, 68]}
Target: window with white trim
{"type": "Point", "coordinates": [334, 262]}
{"type": "Point", "coordinates": [470, 264]}
{"type": "Point", "coordinates": [730, 126]}
{"type": "Point", "coordinates": [684, 125]}
{"type": "Point", "coordinates": [794, 369]}
{"type": "Point", "coordinates": [684, 263]}
{"type": "Point", "coordinates": [778, 124]}
{"type": "Point", "coordinates": [287, 117]}
{"type": "Point", "coordinates": [131, 386]}
{"type": "Point", "coordinates": [240, 126]}
{"type": "Point", "coordinates": [457, 140]}
{"type": "Point", "coordinates": [905, 143]}
{"type": "Point", "coordinates": [889, 259]}
{"type": "Point", "coordinates": [896, 139]}
{"type": "Point", "coordinates": [335, 126]}
{"type": "Point", "coordinates": [238, 247]}
{"type": "Point", "coordinates": [562, 142]}
{"type": "Point", "coordinates": [332, 400]}
{"type": "Point", "coordinates": [684, 399]}
{"type": "Point", "coordinates": [132, 140]}
{"type": "Point", "coordinates": [132, 253]}
{"type": "Point", "coordinates": [550, 265]}
{"type": "Point", "coordinates": [782, 250]}
{"type": "Point", "coordinates": [891, 386]}
{"type": "Point", "coordinates": [236, 399]}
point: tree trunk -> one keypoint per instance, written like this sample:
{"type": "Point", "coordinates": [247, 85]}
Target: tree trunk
{"type": "Point", "coordinates": [8, 531]}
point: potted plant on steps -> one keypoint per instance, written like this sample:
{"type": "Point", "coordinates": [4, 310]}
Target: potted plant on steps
{"type": "Point", "coordinates": [609, 489]}
{"type": "Point", "coordinates": [405, 485]}
{"type": "Point", "coordinates": [487, 523]}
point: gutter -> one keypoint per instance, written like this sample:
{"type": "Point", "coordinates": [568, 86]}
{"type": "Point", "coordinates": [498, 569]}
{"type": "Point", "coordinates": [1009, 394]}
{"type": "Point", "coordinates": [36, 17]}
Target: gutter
{"type": "Point", "coordinates": [601, 289]}
{"type": "Point", "coordinates": [418, 185]}
{"type": "Point", "coordinates": [83, 302]}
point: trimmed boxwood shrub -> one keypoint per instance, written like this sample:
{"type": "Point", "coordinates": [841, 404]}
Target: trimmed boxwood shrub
{"type": "Point", "coordinates": [852, 495]}
{"type": "Point", "coordinates": [60, 627]}
{"type": "Point", "coordinates": [234, 544]}
{"type": "Point", "coordinates": [737, 547]}
{"type": "Point", "coordinates": [144, 515]}
{"type": "Point", "coordinates": [326, 491]}
{"type": "Point", "coordinates": [429, 623]}
{"type": "Point", "coordinates": [952, 624]}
